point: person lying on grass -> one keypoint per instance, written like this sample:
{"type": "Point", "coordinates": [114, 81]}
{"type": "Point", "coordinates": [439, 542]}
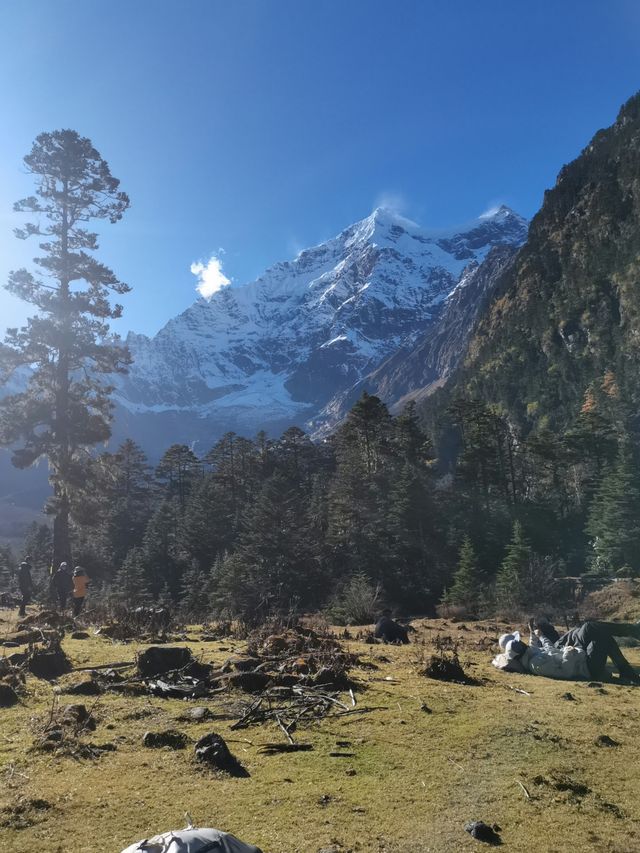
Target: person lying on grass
{"type": "Point", "coordinates": [580, 654]}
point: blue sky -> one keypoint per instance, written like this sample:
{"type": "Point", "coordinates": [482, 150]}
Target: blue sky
{"type": "Point", "coordinates": [265, 126]}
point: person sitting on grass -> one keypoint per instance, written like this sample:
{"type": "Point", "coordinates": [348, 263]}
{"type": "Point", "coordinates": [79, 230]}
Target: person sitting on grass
{"type": "Point", "coordinates": [389, 631]}
{"type": "Point", "coordinates": [580, 654]}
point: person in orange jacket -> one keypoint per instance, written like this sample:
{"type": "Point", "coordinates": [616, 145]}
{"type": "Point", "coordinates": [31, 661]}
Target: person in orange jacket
{"type": "Point", "coordinates": [80, 584]}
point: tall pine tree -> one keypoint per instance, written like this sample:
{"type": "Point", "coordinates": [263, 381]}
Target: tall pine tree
{"type": "Point", "coordinates": [66, 347]}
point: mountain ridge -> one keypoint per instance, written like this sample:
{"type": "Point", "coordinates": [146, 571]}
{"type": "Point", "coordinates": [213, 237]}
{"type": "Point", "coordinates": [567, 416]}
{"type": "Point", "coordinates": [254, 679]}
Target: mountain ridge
{"type": "Point", "coordinates": [283, 346]}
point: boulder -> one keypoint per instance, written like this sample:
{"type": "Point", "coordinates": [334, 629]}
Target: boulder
{"type": "Point", "coordinates": [250, 682]}
{"type": "Point", "coordinates": [87, 687]}
{"type": "Point", "coordinates": [48, 663]}
{"type": "Point", "coordinates": [8, 696]}
{"type": "Point", "coordinates": [158, 660]}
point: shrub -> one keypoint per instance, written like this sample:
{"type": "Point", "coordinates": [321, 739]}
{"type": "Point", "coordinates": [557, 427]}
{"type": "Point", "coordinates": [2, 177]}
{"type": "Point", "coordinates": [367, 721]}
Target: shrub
{"type": "Point", "coordinates": [357, 603]}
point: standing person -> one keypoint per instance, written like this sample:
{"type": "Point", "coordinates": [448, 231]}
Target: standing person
{"type": "Point", "coordinates": [25, 584]}
{"type": "Point", "coordinates": [63, 585]}
{"type": "Point", "coordinates": [80, 584]}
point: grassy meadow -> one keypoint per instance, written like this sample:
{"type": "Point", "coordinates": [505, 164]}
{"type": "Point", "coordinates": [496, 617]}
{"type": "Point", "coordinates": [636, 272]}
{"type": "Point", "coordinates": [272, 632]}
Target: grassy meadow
{"type": "Point", "coordinates": [429, 757]}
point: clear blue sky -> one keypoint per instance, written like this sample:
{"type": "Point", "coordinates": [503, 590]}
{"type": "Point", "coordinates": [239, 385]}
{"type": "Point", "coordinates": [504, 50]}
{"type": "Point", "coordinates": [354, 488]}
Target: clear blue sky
{"type": "Point", "coordinates": [264, 126]}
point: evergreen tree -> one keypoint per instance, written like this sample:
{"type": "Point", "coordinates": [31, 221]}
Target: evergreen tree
{"type": "Point", "coordinates": [358, 501]}
{"type": "Point", "coordinates": [614, 519]}
{"type": "Point", "coordinates": [178, 470]}
{"type": "Point", "coordinates": [125, 499]}
{"type": "Point", "coordinates": [209, 525]}
{"type": "Point", "coordinates": [7, 568]}
{"type": "Point", "coordinates": [131, 586]}
{"type": "Point", "coordinates": [37, 544]}
{"type": "Point", "coordinates": [277, 557]}
{"type": "Point", "coordinates": [466, 589]}
{"type": "Point", "coordinates": [511, 580]}
{"type": "Point", "coordinates": [66, 346]}
{"type": "Point", "coordinates": [164, 560]}
{"type": "Point", "coordinates": [194, 602]}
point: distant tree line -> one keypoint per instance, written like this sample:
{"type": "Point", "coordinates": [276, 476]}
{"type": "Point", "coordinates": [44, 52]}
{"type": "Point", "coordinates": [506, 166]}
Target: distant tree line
{"type": "Point", "coordinates": [466, 512]}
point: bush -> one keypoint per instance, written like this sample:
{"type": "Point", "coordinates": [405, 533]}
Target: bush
{"type": "Point", "coordinates": [357, 603]}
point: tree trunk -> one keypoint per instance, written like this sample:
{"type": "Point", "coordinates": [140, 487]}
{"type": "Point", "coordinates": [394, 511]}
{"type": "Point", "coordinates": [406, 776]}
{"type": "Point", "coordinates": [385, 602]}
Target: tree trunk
{"type": "Point", "coordinates": [61, 539]}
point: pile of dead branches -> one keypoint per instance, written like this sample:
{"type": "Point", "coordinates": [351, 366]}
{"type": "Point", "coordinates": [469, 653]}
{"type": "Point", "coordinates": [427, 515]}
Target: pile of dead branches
{"type": "Point", "coordinates": [288, 707]}
{"type": "Point", "coordinates": [301, 656]}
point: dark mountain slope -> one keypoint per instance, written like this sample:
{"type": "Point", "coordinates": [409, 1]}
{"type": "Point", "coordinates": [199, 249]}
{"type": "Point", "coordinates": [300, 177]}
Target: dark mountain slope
{"type": "Point", "coordinates": [568, 317]}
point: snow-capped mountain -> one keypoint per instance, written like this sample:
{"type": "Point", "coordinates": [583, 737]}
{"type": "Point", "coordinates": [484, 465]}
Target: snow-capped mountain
{"type": "Point", "coordinates": [282, 349]}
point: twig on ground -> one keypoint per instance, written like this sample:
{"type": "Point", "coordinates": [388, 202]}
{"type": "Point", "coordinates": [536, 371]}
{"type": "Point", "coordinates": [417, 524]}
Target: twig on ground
{"type": "Point", "coordinates": [518, 690]}
{"type": "Point", "coordinates": [284, 729]}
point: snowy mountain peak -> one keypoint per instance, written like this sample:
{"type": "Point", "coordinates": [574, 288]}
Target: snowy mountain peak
{"type": "Point", "coordinates": [278, 350]}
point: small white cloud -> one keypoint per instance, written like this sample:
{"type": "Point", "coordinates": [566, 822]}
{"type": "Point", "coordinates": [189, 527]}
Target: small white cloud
{"type": "Point", "coordinates": [210, 276]}
{"type": "Point", "coordinates": [392, 201]}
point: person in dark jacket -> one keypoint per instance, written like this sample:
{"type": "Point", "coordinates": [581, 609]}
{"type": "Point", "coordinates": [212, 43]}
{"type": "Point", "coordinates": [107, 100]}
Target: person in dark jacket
{"type": "Point", "coordinates": [389, 631]}
{"type": "Point", "coordinates": [598, 641]}
{"type": "Point", "coordinates": [62, 583]}
{"type": "Point", "coordinates": [25, 585]}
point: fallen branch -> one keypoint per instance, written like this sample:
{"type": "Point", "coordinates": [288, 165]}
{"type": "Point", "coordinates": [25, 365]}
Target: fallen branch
{"type": "Point", "coordinates": [284, 729]}
{"type": "Point", "coordinates": [274, 748]}
{"type": "Point", "coordinates": [364, 710]}
{"type": "Point", "coordinates": [120, 665]}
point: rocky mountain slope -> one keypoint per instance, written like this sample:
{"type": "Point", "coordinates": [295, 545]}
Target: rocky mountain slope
{"type": "Point", "coordinates": [414, 372]}
{"type": "Point", "coordinates": [291, 346]}
{"type": "Point", "coordinates": [567, 320]}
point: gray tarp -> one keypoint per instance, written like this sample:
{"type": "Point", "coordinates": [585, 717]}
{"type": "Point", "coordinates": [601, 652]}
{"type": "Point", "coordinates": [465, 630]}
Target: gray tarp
{"type": "Point", "coordinates": [192, 841]}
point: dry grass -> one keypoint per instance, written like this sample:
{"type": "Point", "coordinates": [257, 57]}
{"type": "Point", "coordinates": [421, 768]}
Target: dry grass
{"type": "Point", "coordinates": [617, 602]}
{"type": "Point", "coordinates": [419, 776]}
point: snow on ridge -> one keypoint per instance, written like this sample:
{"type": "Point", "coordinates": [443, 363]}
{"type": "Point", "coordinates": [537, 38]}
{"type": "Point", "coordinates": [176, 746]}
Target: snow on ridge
{"type": "Point", "coordinates": [323, 318]}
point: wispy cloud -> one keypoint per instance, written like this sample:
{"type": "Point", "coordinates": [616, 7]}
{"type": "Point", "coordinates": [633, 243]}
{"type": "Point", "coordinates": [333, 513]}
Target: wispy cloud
{"type": "Point", "coordinates": [210, 275]}
{"type": "Point", "coordinates": [491, 210]}
{"type": "Point", "coordinates": [392, 201]}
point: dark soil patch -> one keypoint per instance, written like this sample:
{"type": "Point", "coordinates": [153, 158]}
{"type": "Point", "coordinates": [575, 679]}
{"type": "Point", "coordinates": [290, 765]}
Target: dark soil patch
{"type": "Point", "coordinates": [605, 740]}
{"type": "Point", "coordinates": [214, 752]}
{"type": "Point", "coordinates": [481, 831]}
{"type": "Point", "coordinates": [169, 738]}
{"type": "Point", "coordinates": [448, 668]}
{"type": "Point", "coordinates": [23, 814]}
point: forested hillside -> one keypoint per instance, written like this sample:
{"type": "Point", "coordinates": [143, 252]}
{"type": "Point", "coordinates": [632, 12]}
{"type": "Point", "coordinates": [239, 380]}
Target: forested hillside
{"type": "Point", "coordinates": [545, 403]}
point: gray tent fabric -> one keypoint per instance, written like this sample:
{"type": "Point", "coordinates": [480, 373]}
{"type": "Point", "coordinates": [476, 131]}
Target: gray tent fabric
{"type": "Point", "coordinates": [192, 841]}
